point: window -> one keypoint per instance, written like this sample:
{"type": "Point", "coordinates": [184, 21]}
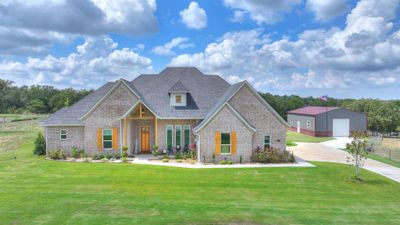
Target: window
{"type": "Point", "coordinates": [107, 138]}
{"type": "Point", "coordinates": [178, 98]}
{"type": "Point", "coordinates": [186, 133]}
{"type": "Point", "coordinates": [267, 142]}
{"type": "Point", "coordinates": [63, 134]}
{"type": "Point", "coordinates": [178, 135]}
{"type": "Point", "coordinates": [225, 143]}
{"type": "Point", "coordinates": [169, 136]}
{"type": "Point", "coordinates": [291, 122]}
{"type": "Point", "coordinates": [308, 124]}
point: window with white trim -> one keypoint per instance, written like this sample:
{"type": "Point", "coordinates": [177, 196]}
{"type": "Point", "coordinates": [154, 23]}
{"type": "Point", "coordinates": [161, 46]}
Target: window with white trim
{"type": "Point", "coordinates": [186, 138]}
{"type": "Point", "coordinates": [308, 124]}
{"type": "Point", "coordinates": [63, 135]}
{"type": "Point", "coordinates": [225, 143]}
{"type": "Point", "coordinates": [107, 138]}
{"type": "Point", "coordinates": [178, 136]}
{"type": "Point", "coordinates": [169, 129]}
{"type": "Point", "coordinates": [267, 142]}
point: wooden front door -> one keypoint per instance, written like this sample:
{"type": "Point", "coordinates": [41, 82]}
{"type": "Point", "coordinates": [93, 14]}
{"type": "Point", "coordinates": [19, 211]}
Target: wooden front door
{"type": "Point", "coordinates": [145, 139]}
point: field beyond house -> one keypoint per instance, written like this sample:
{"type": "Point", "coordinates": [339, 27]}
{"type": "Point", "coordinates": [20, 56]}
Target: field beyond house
{"type": "Point", "coordinates": [38, 191]}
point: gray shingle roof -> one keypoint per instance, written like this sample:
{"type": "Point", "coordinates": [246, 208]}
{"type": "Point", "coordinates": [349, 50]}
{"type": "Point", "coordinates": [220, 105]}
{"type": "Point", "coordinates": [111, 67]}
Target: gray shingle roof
{"type": "Point", "coordinates": [70, 115]}
{"type": "Point", "coordinates": [178, 88]}
{"type": "Point", "coordinates": [204, 91]}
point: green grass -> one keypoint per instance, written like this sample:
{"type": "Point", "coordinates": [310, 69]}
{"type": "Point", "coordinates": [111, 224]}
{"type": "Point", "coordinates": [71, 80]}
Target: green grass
{"type": "Point", "coordinates": [290, 143]}
{"type": "Point", "coordinates": [298, 137]}
{"type": "Point", "coordinates": [383, 159]}
{"type": "Point", "coordinates": [38, 191]}
{"type": "Point", "coordinates": [22, 117]}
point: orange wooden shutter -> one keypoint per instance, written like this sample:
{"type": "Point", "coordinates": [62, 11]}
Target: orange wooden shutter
{"type": "Point", "coordinates": [99, 139]}
{"type": "Point", "coordinates": [217, 143]}
{"type": "Point", "coordinates": [233, 142]}
{"type": "Point", "coordinates": [115, 138]}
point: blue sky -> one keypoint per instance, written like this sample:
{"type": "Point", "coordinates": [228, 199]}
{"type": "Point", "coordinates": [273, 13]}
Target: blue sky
{"type": "Point", "coordinates": [340, 48]}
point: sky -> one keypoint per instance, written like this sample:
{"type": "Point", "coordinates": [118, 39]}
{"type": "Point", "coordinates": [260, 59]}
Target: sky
{"type": "Point", "coordinates": [339, 48]}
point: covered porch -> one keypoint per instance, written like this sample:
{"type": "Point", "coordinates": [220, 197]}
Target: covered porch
{"type": "Point", "coordinates": [139, 129]}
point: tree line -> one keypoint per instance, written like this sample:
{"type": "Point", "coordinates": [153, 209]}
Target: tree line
{"type": "Point", "coordinates": [383, 115]}
{"type": "Point", "coordinates": [36, 98]}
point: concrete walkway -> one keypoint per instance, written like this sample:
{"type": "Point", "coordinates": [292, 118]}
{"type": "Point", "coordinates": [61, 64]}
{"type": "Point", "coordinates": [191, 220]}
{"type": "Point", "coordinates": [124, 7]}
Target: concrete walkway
{"type": "Point", "coordinates": [324, 152]}
{"type": "Point", "coordinates": [144, 160]}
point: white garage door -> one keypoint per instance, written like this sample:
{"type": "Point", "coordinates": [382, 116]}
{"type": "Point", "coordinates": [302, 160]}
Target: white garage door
{"type": "Point", "coordinates": [341, 127]}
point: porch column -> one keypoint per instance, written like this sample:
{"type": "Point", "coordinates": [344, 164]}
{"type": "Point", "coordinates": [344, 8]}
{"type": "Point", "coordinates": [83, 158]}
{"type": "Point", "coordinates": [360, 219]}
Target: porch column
{"type": "Point", "coordinates": [125, 131]}
{"type": "Point", "coordinates": [155, 131]}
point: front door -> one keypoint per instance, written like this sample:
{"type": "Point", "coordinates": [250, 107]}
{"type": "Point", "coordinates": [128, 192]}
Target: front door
{"type": "Point", "coordinates": [145, 139]}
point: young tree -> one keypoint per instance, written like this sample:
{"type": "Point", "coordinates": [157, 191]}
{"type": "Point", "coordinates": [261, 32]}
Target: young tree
{"type": "Point", "coordinates": [358, 153]}
{"type": "Point", "coordinates": [40, 145]}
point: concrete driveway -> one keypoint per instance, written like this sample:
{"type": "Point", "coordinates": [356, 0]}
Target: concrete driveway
{"type": "Point", "coordinates": [327, 152]}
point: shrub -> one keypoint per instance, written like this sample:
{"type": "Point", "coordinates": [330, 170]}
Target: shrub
{"type": "Point", "coordinates": [213, 158]}
{"type": "Point", "coordinates": [166, 157]}
{"type": "Point", "coordinates": [155, 152]}
{"type": "Point", "coordinates": [240, 159]}
{"type": "Point", "coordinates": [179, 160]}
{"type": "Point", "coordinates": [98, 156]}
{"type": "Point", "coordinates": [40, 145]}
{"type": "Point", "coordinates": [57, 154]}
{"type": "Point", "coordinates": [74, 153]}
{"type": "Point", "coordinates": [292, 158]}
{"type": "Point", "coordinates": [124, 159]}
{"type": "Point", "coordinates": [108, 155]}
{"type": "Point", "coordinates": [165, 160]}
{"type": "Point", "coordinates": [270, 155]}
{"type": "Point", "coordinates": [226, 162]}
{"type": "Point", "coordinates": [104, 160]}
{"type": "Point", "coordinates": [178, 155]}
{"type": "Point", "coordinates": [116, 155]}
{"type": "Point", "coordinates": [125, 151]}
{"type": "Point", "coordinates": [82, 154]}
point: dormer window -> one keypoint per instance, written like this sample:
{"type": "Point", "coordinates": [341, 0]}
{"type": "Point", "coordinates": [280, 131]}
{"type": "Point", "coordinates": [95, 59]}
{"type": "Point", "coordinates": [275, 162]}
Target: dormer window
{"type": "Point", "coordinates": [178, 94]}
{"type": "Point", "coordinates": [178, 99]}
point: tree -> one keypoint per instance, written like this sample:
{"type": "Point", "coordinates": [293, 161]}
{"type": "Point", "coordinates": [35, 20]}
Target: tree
{"type": "Point", "coordinates": [358, 152]}
{"type": "Point", "coordinates": [40, 145]}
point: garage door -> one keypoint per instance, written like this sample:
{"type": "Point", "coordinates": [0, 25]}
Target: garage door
{"type": "Point", "coordinates": [341, 127]}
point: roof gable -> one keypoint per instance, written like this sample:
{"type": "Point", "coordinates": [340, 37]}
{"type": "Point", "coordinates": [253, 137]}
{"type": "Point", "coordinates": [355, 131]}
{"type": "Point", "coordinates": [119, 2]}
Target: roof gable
{"type": "Point", "coordinates": [225, 99]}
{"type": "Point", "coordinates": [119, 82]}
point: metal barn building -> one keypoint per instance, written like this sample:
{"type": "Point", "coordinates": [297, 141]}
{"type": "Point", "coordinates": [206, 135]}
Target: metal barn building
{"type": "Point", "coordinates": [326, 121]}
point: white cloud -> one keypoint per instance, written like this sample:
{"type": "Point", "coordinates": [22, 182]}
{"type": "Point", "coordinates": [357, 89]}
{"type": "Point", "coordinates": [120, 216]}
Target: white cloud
{"type": "Point", "coordinates": [167, 48]}
{"type": "Point", "coordinates": [381, 80]}
{"type": "Point", "coordinates": [96, 61]}
{"type": "Point", "coordinates": [194, 17]}
{"type": "Point", "coordinates": [366, 48]}
{"type": "Point", "coordinates": [267, 12]}
{"type": "Point", "coordinates": [327, 9]}
{"type": "Point", "coordinates": [34, 25]}
{"type": "Point", "coordinates": [238, 16]}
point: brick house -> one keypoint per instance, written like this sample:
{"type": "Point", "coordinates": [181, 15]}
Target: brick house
{"type": "Point", "coordinates": [175, 109]}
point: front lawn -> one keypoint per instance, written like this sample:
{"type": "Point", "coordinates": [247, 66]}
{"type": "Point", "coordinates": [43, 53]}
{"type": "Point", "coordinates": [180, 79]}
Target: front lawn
{"type": "Point", "coordinates": [298, 137]}
{"type": "Point", "coordinates": [38, 191]}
